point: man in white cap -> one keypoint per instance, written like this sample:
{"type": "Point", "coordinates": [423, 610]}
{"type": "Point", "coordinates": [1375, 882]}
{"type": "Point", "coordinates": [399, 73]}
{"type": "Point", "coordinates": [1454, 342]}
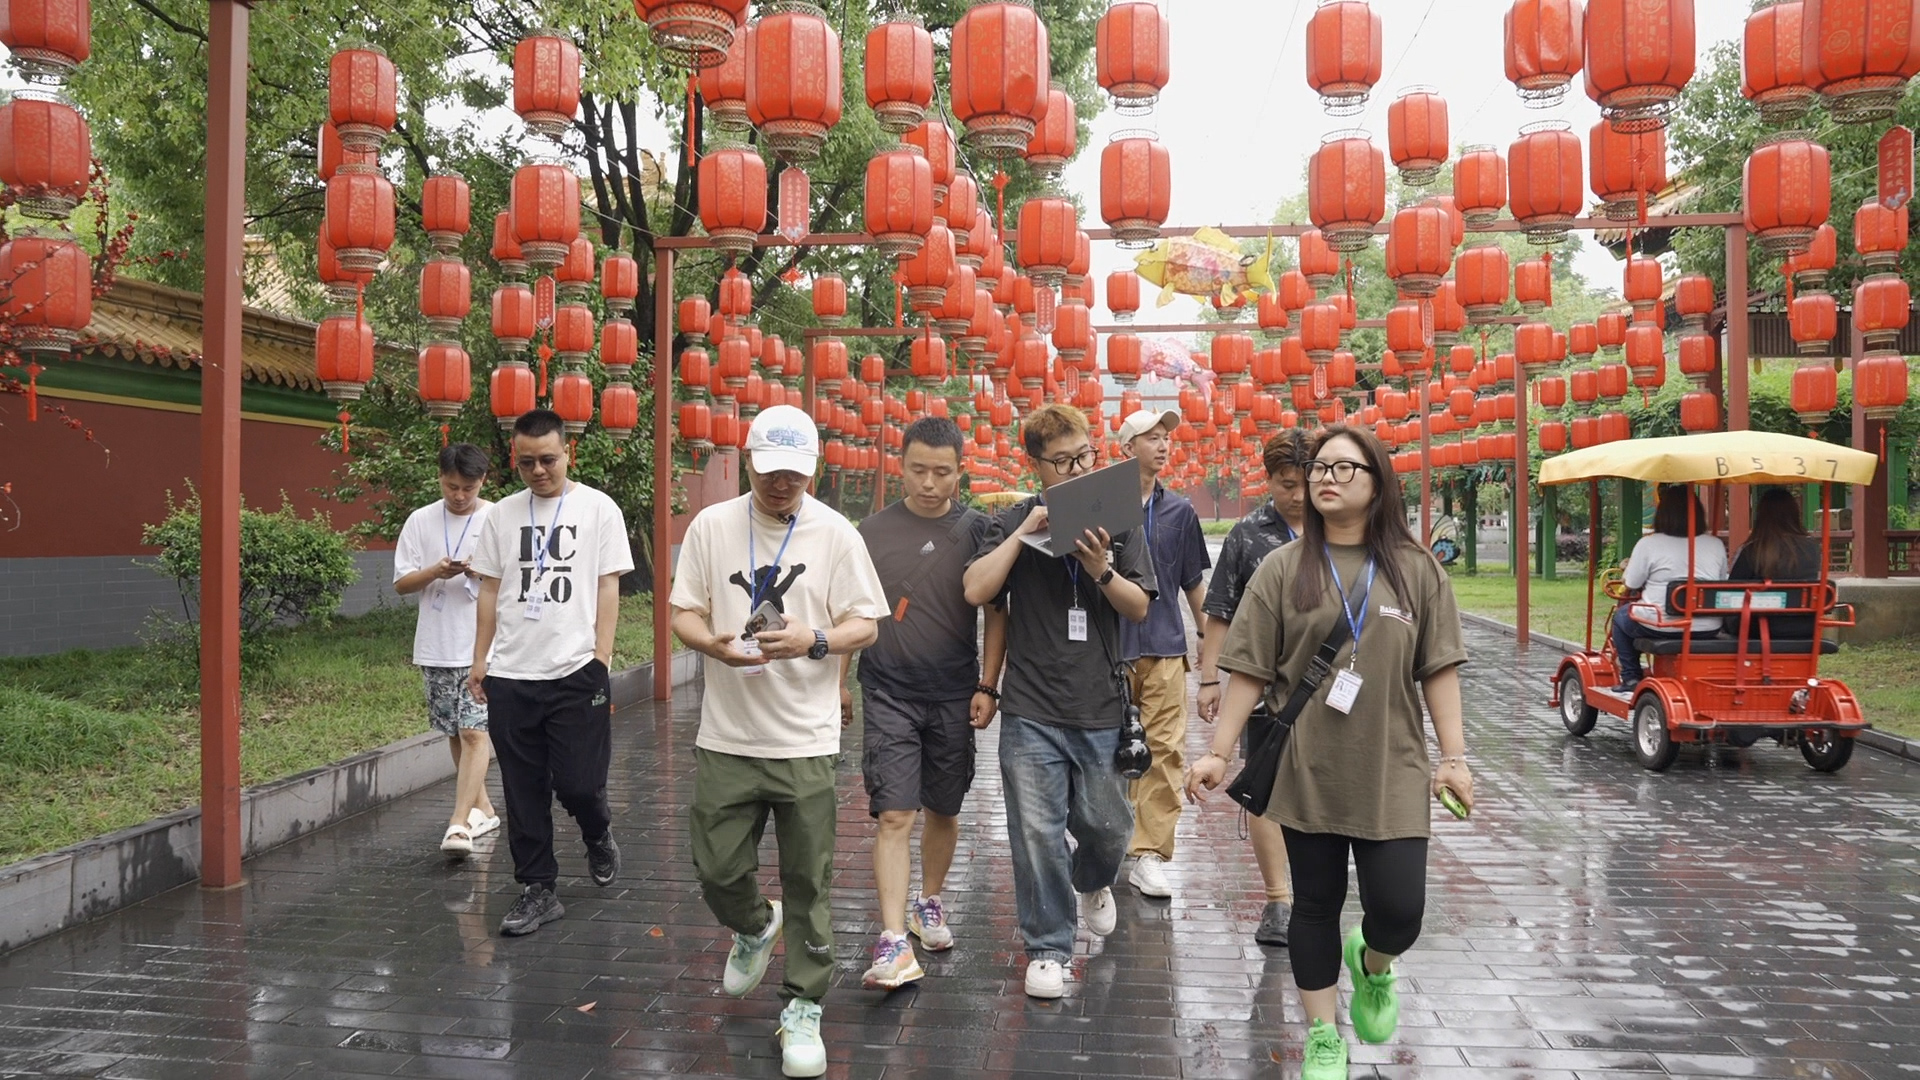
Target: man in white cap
{"type": "Point", "coordinates": [1156, 649]}
{"type": "Point", "coordinates": [773, 587]}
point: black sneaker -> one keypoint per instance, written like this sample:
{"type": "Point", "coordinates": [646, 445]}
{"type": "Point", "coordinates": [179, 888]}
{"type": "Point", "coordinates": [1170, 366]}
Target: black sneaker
{"type": "Point", "coordinates": [537, 906]}
{"type": "Point", "coordinates": [1273, 924]}
{"type": "Point", "coordinates": [603, 859]}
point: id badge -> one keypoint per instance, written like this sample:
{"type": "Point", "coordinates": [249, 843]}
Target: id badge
{"type": "Point", "coordinates": [1346, 687]}
{"type": "Point", "coordinates": [750, 647]}
{"type": "Point", "coordinates": [1076, 624]}
{"type": "Point", "coordinates": [437, 596]}
{"type": "Point", "coordinates": [536, 607]}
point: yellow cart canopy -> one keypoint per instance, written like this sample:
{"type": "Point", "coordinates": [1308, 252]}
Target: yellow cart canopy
{"type": "Point", "coordinates": [1745, 457]}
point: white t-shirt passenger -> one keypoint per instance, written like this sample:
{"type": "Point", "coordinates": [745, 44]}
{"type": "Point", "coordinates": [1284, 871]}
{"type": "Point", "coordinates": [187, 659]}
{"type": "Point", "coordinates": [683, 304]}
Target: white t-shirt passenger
{"type": "Point", "coordinates": [1659, 559]}
{"type": "Point", "coordinates": [824, 578]}
{"type": "Point", "coordinates": [443, 636]}
{"type": "Point", "coordinates": [554, 551]}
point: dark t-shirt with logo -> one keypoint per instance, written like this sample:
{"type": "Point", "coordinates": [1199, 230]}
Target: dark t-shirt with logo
{"type": "Point", "coordinates": [928, 650]}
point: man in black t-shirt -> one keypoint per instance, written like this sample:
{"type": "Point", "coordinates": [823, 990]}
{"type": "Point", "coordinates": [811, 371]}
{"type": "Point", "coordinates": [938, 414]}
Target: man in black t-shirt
{"type": "Point", "coordinates": [923, 692]}
{"type": "Point", "coordinates": [1062, 701]}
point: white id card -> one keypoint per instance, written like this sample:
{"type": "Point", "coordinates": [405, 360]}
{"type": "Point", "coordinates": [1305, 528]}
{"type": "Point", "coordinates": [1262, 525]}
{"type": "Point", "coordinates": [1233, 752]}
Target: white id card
{"type": "Point", "coordinates": [536, 606]}
{"type": "Point", "coordinates": [750, 647]}
{"type": "Point", "coordinates": [1345, 688]}
{"type": "Point", "coordinates": [1076, 624]}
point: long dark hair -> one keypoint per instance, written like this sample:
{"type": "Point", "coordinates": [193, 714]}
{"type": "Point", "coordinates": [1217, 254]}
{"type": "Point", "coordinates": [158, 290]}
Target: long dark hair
{"type": "Point", "coordinates": [1388, 537]}
{"type": "Point", "coordinates": [1777, 534]}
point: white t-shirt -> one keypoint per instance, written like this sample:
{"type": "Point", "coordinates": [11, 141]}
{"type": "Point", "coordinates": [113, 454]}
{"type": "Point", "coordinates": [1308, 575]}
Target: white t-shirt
{"type": "Point", "coordinates": [1659, 559]}
{"type": "Point", "coordinates": [824, 578]}
{"type": "Point", "coordinates": [555, 550]}
{"type": "Point", "coordinates": [443, 636]}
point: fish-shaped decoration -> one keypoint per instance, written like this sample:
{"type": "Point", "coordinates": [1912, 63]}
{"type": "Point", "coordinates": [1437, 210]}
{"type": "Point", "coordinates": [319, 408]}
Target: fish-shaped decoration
{"type": "Point", "coordinates": [1207, 266]}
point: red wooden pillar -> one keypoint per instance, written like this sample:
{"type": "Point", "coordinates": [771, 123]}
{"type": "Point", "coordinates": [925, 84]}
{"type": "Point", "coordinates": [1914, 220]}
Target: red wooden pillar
{"type": "Point", "coordinates": [220, 370]}
{"type": "Point", "coordinates": [662, 471]}
{"type": "Point", "coordinates": [1735, 361]}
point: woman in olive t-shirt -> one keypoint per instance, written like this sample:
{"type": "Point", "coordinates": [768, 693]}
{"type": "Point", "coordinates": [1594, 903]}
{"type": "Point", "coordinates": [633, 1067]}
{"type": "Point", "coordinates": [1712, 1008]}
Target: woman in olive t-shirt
{"type": "Point", "coordinates": [1355, 775]}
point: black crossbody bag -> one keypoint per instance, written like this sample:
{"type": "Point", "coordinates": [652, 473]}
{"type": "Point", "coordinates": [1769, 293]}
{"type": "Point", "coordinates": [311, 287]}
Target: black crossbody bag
{"type": "Point", "coordinates": [1253, 788]}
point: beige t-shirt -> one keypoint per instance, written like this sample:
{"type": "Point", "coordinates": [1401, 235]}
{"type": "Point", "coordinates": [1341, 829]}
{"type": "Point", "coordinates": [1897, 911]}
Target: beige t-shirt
{"type": "Point", "coordinates": [1364, 773]}
{"type": "Point", "coordinates": [823, 578]}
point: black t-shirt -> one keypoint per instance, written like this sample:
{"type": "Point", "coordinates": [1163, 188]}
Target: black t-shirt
{"type": "Point", "coordinates": [1048, 678]}
{"type": "Point", "coordinates": [930, 653]}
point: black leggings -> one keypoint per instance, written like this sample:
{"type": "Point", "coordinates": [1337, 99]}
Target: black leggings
{"type": "Point", "coordinates": [1393, 897]}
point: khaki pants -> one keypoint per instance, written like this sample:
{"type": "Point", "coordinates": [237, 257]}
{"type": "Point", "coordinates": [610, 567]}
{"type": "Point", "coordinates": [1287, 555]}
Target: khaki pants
{"type": "Point", "coordinates": [1160, 689]}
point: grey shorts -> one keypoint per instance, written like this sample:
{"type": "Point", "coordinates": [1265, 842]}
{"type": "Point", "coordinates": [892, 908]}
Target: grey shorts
{"type": "Point", "coordinates": [918, 754]}
{"type": "Point", "coordinates": [450, 709]}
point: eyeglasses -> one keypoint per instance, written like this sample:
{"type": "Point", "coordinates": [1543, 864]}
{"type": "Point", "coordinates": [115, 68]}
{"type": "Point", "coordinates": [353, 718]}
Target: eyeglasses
{"type": "Point", "coordinates": [544, 461]}
{"type": "Point", "coordinates": [1071, 463]}
{"type": "Point", "coordinates": [1341, 472]}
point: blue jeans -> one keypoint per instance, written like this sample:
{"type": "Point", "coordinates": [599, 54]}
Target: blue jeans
{"type": "Point", "coordinates": [1060, 781]}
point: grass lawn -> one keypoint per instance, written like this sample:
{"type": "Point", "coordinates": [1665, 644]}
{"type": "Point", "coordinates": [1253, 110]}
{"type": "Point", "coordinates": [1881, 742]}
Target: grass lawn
{"type": "Point", "coordinates": [93, 741]}
{"type": "Point", "coordinates": [1882, 674]}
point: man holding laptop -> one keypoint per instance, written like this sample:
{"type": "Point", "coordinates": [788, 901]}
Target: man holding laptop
{"type": "Point", "coordinates": [1063, 694]}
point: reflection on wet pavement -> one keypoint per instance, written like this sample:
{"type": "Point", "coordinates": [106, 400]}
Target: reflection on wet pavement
{"type": "Point", "coordinates": [1739, 916]}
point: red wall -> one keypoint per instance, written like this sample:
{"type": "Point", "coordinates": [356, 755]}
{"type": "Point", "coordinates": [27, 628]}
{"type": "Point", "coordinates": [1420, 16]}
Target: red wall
{"type": "Point", "coordinates": [75, 498]}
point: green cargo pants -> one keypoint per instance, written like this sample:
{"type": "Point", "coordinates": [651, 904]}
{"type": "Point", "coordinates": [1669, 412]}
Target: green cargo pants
{"type": "Point", "coordinates": [732, 797]}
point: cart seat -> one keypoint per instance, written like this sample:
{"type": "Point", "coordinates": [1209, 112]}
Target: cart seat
{"type": "Point", "coordinates": [1717, 646]}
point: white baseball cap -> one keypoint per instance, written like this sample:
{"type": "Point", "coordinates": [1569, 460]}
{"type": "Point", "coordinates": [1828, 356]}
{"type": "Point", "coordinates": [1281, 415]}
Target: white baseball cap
{"type": "Point", "coordinates": [782, 439]}
{"type": "Point", "coordinates": [1141, 421]}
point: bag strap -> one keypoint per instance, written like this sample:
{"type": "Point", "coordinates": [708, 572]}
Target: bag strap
{"type": "Point", "coordinates": [1318, 668]}
{"type": "Point", "coordinates": [913, 580]}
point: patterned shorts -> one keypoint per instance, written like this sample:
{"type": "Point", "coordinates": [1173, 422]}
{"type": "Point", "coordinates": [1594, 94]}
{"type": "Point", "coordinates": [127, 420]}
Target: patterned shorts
{"type": "Point", "coordinates": [450, 709]}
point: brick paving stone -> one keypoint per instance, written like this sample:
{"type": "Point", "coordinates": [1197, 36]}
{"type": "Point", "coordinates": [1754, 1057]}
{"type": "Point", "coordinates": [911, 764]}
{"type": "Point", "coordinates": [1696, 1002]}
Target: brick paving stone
{"type": "Point", "coordinates": [1738, 915]}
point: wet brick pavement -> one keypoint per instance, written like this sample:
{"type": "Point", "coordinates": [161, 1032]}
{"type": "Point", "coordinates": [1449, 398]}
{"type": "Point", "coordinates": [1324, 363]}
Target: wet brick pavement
{"type": "Point", "coordinates": [1745, 917]}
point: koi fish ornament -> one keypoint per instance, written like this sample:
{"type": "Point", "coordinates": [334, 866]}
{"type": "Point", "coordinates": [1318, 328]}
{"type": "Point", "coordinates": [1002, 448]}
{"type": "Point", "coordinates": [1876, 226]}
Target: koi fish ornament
{"type": "Point", "coordinates": [1207, 266]}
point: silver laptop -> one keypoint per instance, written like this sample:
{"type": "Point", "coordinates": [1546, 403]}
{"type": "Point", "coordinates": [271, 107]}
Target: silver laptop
{"type": "Point", "coordinates": [1106, 498]}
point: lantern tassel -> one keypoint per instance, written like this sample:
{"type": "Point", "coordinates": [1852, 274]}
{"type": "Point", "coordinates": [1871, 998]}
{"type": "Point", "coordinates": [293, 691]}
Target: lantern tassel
{"type": "Point", "coordinates": [33, 392]}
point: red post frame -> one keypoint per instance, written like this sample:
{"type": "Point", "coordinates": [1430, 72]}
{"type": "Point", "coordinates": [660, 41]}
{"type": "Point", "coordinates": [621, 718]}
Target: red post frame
{"type": "Point", "coordinates": [1735, 361]}
{"type": "Point", "coordinates": [220, 370]}
{"type": "Point", "coordinates": [662, 471]}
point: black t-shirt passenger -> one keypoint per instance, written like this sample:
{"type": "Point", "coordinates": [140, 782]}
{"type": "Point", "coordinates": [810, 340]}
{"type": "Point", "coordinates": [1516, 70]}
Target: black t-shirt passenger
{"type": "Point", "coordinates": [1048, 678]}
{"type": "Point", "coordinates": [930, 652]}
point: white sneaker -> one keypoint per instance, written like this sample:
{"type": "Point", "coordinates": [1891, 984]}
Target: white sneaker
{"type": "Point", "coordinates": [801, 1051]}
{"type": "Point", "coordinates": [1149, 876]}
{"type": "Point", "coordinates": [747, 960]}
{"type": "Point", "coordinates": [1099, 911]}
{"type": "Point", "coordinates": [1045, 979]}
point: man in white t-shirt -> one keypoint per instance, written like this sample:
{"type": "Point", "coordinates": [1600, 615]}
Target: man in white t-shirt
{"type": "Point", "coordinates": [431, 560]}
{"type": "Point", "coordinates": [769, 587]}
{"type": "Point", "coordinates": [549, 560]}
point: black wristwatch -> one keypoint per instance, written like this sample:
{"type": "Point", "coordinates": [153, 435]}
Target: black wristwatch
{"type": "Point", "coordinates": [819, 650]}
{"type": "Point", "coordinates": [1103, 579]}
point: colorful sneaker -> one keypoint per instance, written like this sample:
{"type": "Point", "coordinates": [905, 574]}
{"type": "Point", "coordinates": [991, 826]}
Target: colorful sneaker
{"type": "Point", "coordinates": [894, 964]}
{"type": "Point", "coordinates": [1045, 979]}
{"type": "Point", "coordinates": [1100, 912]}
{"type": "Point", "coordinates": [1375, 1007]}
{"type": "Point", "coordinates": [1326, 1054]}
{"type": "Point", "coordinates": [747, 960]}
{"type": "Point", "coordinates": [928, 921]}
{"type": "Point", "coordinates": [801, 1051]}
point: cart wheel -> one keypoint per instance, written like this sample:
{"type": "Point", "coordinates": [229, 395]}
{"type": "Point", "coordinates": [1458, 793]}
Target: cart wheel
{"type": "Point", "coordinates": [1825, 750]}
{"type": "Point", "coordinates": [1652, 743]}
{"type": "Point", "coordinates": [1575, 713]}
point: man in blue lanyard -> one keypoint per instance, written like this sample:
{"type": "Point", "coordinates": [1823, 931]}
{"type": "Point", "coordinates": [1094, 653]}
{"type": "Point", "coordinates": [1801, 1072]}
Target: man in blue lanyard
{"type": "Point", "coordinates": [1156, 650]}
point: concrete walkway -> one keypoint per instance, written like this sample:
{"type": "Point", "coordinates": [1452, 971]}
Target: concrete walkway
{"type": "Point", "coordinates": [1739, 917]}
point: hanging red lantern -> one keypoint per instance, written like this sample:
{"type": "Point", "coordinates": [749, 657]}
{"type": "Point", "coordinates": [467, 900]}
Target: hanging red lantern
{"type": "Point", "coordinates": [512, 316]}
{"type": "Point", "coordinates": [1625, 169]}
{"type": "Point", "coordinates": [546, 82]}
{"type": "Point", "coordinates": [1417, 138]}
{"type": "Point", "coordinates": [1544, 45]}
{"type": "Point", "coordinates": [1132, 55]}
{"type": "Point", "coordinates": [446, 295]}
{"type": "Point", "coordinates": [1136, 188]}
{"type": "Point", "coordinates": [445, 377]}
{"type": "Point", "coordinates": [1786, 190]}
{"type": "Point", "coordinates": [1815, 392]}
{"type": "Point", "coordinates": [733, 198]}
{"type": "Point", "coordinates": [545, 209]}
{"type": "Point", "coordinates": [899, 72]}
{"type": "Point", "coordinates": [1480, 184]}
{"type": "Point", "coordinates": [899, 201]}
{"type": "Point", "coordinates": [46, 154]}
{"type": "Point", "coordinates": [1772, 74]}
{"type": "Point", "coordinates": [1001, 64]}
{"type": "Point", "coordinates": [1346, 184]}
{"type": "Point", "coordinates": [362, 97]}
{"type": "Point", "coordinates": [1543, 180]}
{"type": "Point", "coordinates": [1343, 55]}
{"type": "Point", "coordinates": [343, 355]}
{"type": "Point", "coordinates": [1859, 54]}
{"type": "Point", "coordinates": [696, 32]}
{"type": "Point", "coordinates": [1423, 241]}
{"type": "Point", "coordinates": [1533, 285]}
{"type": "Point", "coordinates": [47, 38]}
{"type": "Point", "coordinates": [1639, 56]}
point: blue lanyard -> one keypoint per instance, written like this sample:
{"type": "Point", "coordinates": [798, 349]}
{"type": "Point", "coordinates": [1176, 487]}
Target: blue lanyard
{"type": "Point", "coordinates": [454, 548]}
{"type": "Point", "coordinates": [1346, 607]}
{"type": "Point", "coordinates": [540, 558]}
{"type": "Point", "coordinates": [753, 603]}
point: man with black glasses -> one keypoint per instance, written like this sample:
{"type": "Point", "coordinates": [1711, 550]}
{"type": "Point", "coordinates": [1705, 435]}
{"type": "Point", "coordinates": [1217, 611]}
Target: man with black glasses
{"type": "Point", "coordinates": [549, 558]}
{"type": "Point", "coordinates": [1063, 701]}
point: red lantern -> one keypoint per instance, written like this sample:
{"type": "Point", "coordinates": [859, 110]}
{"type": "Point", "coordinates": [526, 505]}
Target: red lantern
{"type": "Point", "coordinates": [1132, 55]}
{"type": "Point", "coordinates": [343, 355]}
{"type": "Point", "coordinates": [1480, 184]}
{"type": "Point", "coordinates": [1422, 239]}
{"type": "Point", "coordinates": [1136, 177]}
{"type": "Point", "coordinates": [1639, 55]}
{"type": "Point", "coordinates": [46, 293]}
{"type": "Point", "coordinates": [899, 200]}
{"type": "Point", "coordinates": [445, 375]}
{"type": "Point", "coordinates": [1786, 191]}
{"type": "Point", "coordinates": [899, 72]}
{"type": "Point", "coordinates": [1001, 64]}
{"type": "Point", "coordinates": [546, 82]}
{"type": "Point", "coordinates": [1480, 281]}
{"type": "Point", "coordinates": [1859, 55]}
{"type": "Point", "coordinates": [1346, 183]}
{"type": "Point", "coordinates": [1626, 168]}
{"type": "Point", "coordinates": [1816, 390]}
{"type": "Point", "coordinates": [46, 155]}
{"type": "Point", "coordinates": [1699, 411]}
{"type": "Point", "coordinates": [1772, 74]}
{"type": "Point", "coordinates": [695, 31]}
{"type": "Point", "coordinates": [733, 198]}
{"type": "Point", "coordinates": [1343, 55]}
{"type": "Point", "coordinates": [513, 321]}
{"type": "Point", "coordinates": [1543, 179]}
{"type": "Point", "coordinates": [362, 97]}
{"type": "Point", "coordinates": [1543, 49]}
{"type": "Point", "coordinates": [545, 209]}
{"type": "Point", "coordinates": [1417, 137]}
{"type": "Point", "coordinates": [47, 38]}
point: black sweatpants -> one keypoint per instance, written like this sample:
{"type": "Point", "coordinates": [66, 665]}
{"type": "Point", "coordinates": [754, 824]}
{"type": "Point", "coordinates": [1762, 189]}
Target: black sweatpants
{"type": "Point", "coordinates": [1393, 899]}
{"type": "Point", "coordinates": [553, 738]}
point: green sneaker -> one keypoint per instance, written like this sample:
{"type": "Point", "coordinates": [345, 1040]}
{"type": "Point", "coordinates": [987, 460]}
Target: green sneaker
{"type": "Point", "coordinates": [1374, 1008]}
{"type": "Point", "coordinates": [1326, 1055]}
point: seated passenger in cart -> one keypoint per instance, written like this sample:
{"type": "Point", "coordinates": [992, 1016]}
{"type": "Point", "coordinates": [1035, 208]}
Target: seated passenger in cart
{"type": "Point", "coordinates": [1658, 560]}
